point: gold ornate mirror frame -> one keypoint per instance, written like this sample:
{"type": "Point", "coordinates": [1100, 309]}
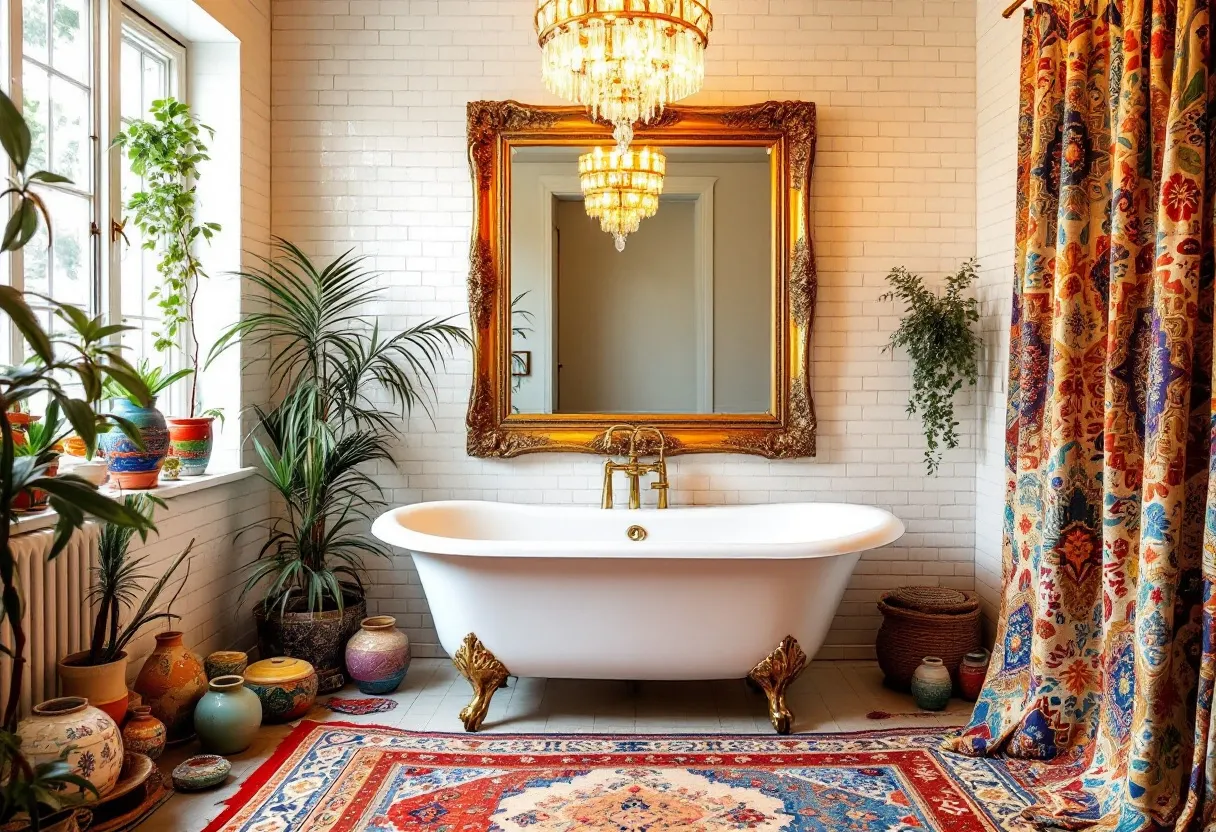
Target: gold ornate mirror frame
{"type": "Point", "coordinates": [788, 429]}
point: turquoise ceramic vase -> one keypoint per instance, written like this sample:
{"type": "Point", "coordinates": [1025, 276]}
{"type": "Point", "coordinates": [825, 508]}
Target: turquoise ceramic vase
{"type": "Point", "coordinates": [931, 684]}
{"type": "Point", "coordinates": [228, 717]}
{"type": "Point", "coordinates": [129, 466]}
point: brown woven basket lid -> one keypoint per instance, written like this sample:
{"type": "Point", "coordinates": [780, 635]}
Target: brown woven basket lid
{"type": "Point", "coordinates": [934, 599]}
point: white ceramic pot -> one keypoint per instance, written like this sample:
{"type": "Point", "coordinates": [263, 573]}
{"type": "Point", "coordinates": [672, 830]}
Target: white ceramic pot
{"type": "Point", "coordinates": [92, 470]}
{"type": "Point", "coordinates": [931, 684]}
{"type": "Point", "coordinates": [70, 722]}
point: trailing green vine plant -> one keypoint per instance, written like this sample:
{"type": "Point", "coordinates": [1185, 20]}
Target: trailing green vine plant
{"type": "Point", "coordinates": [937, 334]}
{"type": "Point", "coordinates": [166, 151]}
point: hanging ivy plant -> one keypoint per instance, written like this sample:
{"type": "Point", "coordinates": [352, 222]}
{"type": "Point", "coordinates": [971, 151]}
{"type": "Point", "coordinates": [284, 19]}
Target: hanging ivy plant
{"type": "Point", "coordinates": [166, 150]}
{"type": "Point", "coordinates": [936, 332]}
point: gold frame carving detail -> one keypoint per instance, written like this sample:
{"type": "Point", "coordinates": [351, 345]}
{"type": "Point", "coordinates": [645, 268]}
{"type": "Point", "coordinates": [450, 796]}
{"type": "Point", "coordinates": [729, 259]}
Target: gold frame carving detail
{"type": "Point", "coordinates": [788, 429]}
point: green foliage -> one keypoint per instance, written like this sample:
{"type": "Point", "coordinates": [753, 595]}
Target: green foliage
{"type": "Point", "coordinates": [334, 375]}
{"type": "Point", "coordinates": [521, 328]}
{"type": "Point", "coordinates": [118, 581]}
{"type": "Point", "coordinates": [41, 437]}
{"type": "Point", "coordinates": [944, 350]}
{"type": "Point", "coordinates": [166, 152]}
{"type": "Point", "coordinates": [155, 380]}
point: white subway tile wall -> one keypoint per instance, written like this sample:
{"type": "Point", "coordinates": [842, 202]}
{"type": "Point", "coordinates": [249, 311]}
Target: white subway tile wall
{"type": "Point", "coordinates": [368, 141]}
{"type": "Point", "coordinates": [999, 53]}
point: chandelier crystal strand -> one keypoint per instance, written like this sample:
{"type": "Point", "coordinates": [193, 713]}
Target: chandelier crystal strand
{"type": "Point", "coordinates": [624, 60]}
{"type": "Point", "coordinates": [621, 189]}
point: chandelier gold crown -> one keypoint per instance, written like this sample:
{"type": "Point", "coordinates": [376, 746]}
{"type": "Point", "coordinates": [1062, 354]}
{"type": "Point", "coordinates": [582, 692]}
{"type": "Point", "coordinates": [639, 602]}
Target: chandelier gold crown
{"type": "Point", "coordinates": [621, 189]}
{"type": "Point", "coordinates": [623, 59]}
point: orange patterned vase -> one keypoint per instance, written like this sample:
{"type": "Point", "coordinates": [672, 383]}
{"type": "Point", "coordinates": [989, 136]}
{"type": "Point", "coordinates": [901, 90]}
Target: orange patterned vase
{"type": "Point", "coordinates": [191, 441]}
{"type": "Point", "coordinates": [144, 733]}
{"type": "Point", "coordinates": [171, 683]}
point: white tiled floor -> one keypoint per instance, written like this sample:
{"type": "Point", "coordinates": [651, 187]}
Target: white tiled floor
{"type": "Point", "coordinates": [829, 696]}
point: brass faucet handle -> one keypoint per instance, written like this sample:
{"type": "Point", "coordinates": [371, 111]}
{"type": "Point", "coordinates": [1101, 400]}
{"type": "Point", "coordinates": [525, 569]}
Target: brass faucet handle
{"type": "Point", "coordinates": [611, 432]}
{"type": "Point", "coordinates": [643, 429]}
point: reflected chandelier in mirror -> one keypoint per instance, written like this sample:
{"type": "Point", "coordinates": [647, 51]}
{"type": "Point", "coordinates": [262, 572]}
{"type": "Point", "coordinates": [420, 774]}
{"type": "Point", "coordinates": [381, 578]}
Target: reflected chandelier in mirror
{"type": "Point", "coordinates": [702, 329]}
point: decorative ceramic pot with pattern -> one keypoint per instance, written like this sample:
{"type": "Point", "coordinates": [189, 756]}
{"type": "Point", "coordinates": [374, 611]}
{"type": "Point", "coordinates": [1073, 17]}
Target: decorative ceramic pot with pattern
{"type": "Point", "coordinates": [378, 655]}
{"type": "Point", "coordinates": [94, 747]}
{"type": "Point", "coordinates": [104, 685]}
{"type": "Point", "coordinates": [131, 467]}
{"type": "Point", "coordinates": [931, 684]}
{"type": "Point", "coordinates": [286, 686]}
{"type": "Point", "coordinates": [202, 772]}
{"type": "Point", "coordinates": [144, 733]}
{"type": "Point", "coordinates": [971, 674]}
{"type": "Point", "coordinates": [191, 441]}
{"type": "Point", "coordinates": [318, 638]}
{"type": "Point", "coordinates": [171, 682]}
{"type": "Point", "coordinates": [226, 663]}
{"type": "Point", "coordinates": [228, 716]}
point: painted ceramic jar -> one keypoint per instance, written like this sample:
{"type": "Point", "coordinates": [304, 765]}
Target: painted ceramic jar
{"type": "Point", "coordinates": [971, 674]}
{"type": "Point", "coordinates": [94, 747]}
{"type": "Point", "coordinates": [129, 466]}
{"type": "Point", "coordinates": [228, 716]}
{"type": "Point", "coordinates": [931, 684]}
{"type": "Point", "coordinates": [202, 772]}
{"type": "Point", "coordinates": [287, 687]}
{"type": "Point", "coordinates": [171, 682]}
{"type": "Point", "coordinates": [225, 663]}
{"type": "Point", "coordinates": [144, 733]}
{"type": "Point", "coordinates": [104, 685]}
{"type": "Point", "coordinates": [378, 655]}
{"type": "Point", "coordinates": [191, 441]}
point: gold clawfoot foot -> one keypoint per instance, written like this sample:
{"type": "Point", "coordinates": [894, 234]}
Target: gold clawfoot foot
{"type": "Point", "coordinates": [774, 675]}
{"type": "Point", "coordinates": [485, 673]}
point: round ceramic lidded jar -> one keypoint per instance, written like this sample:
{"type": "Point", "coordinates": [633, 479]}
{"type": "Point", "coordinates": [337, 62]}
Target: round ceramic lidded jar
{"type": "Point", "coordinates": [931, 684]}
{"type": "Point", "coordinates": [378, 655]}
{"type": "Point", "coordinates": [225, 663]}
{"type": "Point", "coordinates": [287, 687]}
{"type": "Point", "coordinates": [171, 683]}
{"type": "Point", "coordinates": [144, 733]}
{"type": "Point", "coordinates": [228, 716]}
{"type": "Point", "coordinates": [94, 747]}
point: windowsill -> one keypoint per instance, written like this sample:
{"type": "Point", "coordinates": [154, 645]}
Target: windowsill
{"type": "Point", "coordinates": [167, 490]}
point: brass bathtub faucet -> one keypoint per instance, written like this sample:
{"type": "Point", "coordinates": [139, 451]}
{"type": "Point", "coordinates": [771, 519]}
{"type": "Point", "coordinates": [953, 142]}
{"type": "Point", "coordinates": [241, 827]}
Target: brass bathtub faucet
{"type": "Point", "coordinates": [634, 470]}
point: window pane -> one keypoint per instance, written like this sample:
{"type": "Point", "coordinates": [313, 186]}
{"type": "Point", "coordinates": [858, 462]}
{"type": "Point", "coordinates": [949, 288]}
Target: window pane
{"type": "Point", "coordinates": [35, 103]}
{"type": "Point", "coordinates": [155, 80]}
{"type": "Point", "coordinates": [129, 79]}
{"type": "Point", "coordinates": [62, 272]}
{"type": "Point", "coordinates": [70, 40]}
{"type": "Point", "coordinates": [70, 131]}
{"type": "Point", "coordinates": [33, 25]}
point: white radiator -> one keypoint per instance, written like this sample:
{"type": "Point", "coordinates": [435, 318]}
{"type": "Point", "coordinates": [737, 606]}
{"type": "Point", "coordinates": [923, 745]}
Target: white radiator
{"type": "Point", "coordinates": [56, 608]}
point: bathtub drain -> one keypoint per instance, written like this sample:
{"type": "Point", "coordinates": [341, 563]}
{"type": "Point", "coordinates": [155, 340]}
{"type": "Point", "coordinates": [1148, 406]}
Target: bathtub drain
{"type": "Point", "coordinates": [636, 533]}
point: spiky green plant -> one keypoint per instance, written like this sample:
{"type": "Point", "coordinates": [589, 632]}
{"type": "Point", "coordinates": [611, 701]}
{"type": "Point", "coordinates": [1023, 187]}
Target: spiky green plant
{"type": "Point", "coordinates": [334, 374]}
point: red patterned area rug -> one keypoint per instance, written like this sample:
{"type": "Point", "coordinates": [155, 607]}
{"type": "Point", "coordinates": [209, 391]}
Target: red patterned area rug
{"type": "Point", "coordinates": [334, 777]}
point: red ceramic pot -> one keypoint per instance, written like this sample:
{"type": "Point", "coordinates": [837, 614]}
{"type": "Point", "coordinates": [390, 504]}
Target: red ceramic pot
{"type": "Point", "coordinates": [971, 674]}
{"type": "Point", "coordinates": [191, 441]}
{"type": "Point", "coordinates": [39, 499]}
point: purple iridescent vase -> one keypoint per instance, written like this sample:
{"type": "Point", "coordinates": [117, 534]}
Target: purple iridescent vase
{"type": "Point", "coordinates": [378, 655]}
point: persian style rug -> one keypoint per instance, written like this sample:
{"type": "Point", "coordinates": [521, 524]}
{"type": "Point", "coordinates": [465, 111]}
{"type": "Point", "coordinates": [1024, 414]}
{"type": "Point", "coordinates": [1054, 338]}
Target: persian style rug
{"type": "Point", "coordinates": [360, 707]}
{"type": "Point", "coordinates": [337, 777]}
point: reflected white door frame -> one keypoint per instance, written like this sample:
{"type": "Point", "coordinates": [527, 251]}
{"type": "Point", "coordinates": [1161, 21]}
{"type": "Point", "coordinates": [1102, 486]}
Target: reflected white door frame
{"type": "Point", "coordinates": [697, 189]}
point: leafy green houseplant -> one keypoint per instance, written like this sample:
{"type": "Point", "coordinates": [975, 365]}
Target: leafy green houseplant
{"type": "Point", "coordinates": [41, 441]}
{"type": "Point", "coordinates": [936, 331]}
{"type": "Point", "coordinates": [69, 370]}
{"type": "Point", "coordinates": [344, 390]}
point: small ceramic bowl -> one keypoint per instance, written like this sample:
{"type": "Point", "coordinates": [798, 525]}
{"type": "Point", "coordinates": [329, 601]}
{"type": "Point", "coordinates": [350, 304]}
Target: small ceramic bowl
{"type": "Point", "coordinates": [205, 771]}
{"type": "Point", "coordinates": [225, 663]}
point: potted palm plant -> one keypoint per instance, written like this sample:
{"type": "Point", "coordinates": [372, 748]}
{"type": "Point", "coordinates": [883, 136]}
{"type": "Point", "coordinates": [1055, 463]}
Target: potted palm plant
{"type": "Point", "coordinates": [42, 440]}
{"type": "Point", "coordinates": [68, 370]}
{"type": "Point", "coordinates": [133, 465]}
{"type": "Point", "coordinates": [316, 446]}
{"type": "Point", "coordinates": [99, 674]}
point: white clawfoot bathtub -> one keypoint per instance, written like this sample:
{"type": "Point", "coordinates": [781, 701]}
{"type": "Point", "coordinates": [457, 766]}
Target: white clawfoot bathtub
{"type": "Point", "coordinates": [564, 592]}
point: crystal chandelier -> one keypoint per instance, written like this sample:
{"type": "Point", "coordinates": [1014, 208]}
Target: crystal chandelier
{"type": "Point", "coordinates": [623, 59]}
{"type": "Point", "coordinates": [621, 188]}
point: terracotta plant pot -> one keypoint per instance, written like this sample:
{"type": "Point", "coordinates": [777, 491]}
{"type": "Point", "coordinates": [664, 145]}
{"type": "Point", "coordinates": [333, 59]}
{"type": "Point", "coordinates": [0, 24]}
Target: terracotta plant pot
{"type": "Point", "coordinates": [228, 716]}
{"type": "Point", "coordinates": [144, 733]}
{"type": "Point", "coordinates": [171, 682]}
{"type": "Point", "coordinates": [287, 687]}
{"type": "Point", "coordinates": [378, 655]}
{"type": "Point", "coordinates": [94, 747]}
{"type": "Point", "coordinates": [40, 499]}
{"type": "Point", "coordinates": [317, 638]}
{"type": "Point", "coordinates": [129, 466]}
{"type": "Point", "coordinates": [191, 441]}
{"type": "Point", "coordinates": [225, 663]}
{"type": "Point", "coordinates": [104, 685]}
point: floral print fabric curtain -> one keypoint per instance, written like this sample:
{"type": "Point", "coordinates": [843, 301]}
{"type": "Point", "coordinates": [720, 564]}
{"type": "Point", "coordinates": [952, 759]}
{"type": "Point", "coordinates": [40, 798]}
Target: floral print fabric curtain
{"type": "Point", "coordinates": [1104, 660]}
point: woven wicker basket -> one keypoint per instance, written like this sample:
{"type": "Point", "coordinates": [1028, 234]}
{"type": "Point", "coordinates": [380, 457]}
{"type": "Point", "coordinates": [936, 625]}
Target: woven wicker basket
{"type": "Point", "coordinates": [921, 621]}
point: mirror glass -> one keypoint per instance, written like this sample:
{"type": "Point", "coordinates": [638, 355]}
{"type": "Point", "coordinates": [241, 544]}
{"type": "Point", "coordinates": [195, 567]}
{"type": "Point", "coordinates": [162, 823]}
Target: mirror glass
{"type": "Point", "coordinates": [679, 322]}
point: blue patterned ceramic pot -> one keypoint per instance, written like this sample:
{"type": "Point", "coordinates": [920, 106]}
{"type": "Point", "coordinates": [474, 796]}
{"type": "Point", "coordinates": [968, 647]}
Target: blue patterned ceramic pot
{"type": "Point", "coordinates": [227, 718]}
{"type": "Point", "coordinates": [931, 684]}
{"type": "Point", "coordinates": [378, 655]}
{"type": "Point", "coordinates": [130, 467]}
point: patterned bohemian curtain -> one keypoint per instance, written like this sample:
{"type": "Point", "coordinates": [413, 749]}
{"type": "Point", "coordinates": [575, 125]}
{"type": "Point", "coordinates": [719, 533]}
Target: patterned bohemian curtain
{"type": "Point", "coordinates": [1104, 660]}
